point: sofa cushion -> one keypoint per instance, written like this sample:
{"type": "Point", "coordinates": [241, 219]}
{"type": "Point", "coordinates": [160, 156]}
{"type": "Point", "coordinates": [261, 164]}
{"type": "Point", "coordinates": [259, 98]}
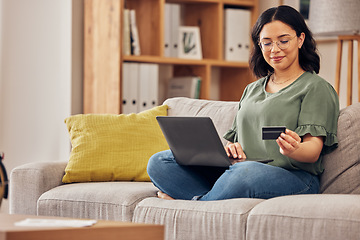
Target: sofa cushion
{"type": "Point", "coordinates": [110, 147]}
{"type": "Point", "coordinates": [342, 166]}
{"type": "Point", "coordinates": [222, 113]}
{"type": "Point", "coordinates": [225, 219]}
{"type": "Point", "coordinates": [95, 200]}
{"type": "Point", "coordinates": [321, 216]}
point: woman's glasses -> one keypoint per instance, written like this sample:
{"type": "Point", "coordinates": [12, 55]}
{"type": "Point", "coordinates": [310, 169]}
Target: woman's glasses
{"type": "Point", "coordinates": [283, 44]}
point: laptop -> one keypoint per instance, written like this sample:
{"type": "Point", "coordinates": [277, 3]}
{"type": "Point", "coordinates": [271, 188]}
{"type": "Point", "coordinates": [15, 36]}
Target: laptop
{"type": "Point", "coordinates": [195, 141]}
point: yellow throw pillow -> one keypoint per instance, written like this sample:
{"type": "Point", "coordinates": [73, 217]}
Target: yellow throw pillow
{"type": "Point", "coordinates": [109, 147]}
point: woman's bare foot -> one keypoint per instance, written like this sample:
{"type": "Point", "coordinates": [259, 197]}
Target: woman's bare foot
{"type": "Point", "coordinates": [162, 195]}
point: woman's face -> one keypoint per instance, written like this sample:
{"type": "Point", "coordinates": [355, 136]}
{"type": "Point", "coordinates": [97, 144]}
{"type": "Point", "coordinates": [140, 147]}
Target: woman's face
{"type": "Point", "coordinates": [280, 45]}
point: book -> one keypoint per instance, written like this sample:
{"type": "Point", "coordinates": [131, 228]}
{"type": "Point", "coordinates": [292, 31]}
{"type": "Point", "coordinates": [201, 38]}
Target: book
{"type": "Point", "coordinates": [184, 87]}
{"type": "Point", "coordinates": [126, 33]}
{"type": "Point", "coordinates": [134, 34]}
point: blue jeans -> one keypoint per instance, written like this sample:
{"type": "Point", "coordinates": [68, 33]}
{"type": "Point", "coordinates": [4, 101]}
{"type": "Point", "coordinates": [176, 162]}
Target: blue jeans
{"type": "Point", "coordinates": [241, 180]}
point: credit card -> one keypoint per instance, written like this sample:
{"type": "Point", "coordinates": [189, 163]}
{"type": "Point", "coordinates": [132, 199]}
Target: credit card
{"type": "Point", "coordinates": [272, 133]}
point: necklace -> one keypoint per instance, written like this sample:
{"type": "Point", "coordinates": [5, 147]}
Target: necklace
{"type": "Point", "coordinates": [279, 83]}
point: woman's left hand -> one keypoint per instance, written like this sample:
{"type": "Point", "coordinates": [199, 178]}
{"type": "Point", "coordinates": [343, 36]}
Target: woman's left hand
{"type": "Point", "coordinates": [288, 142]}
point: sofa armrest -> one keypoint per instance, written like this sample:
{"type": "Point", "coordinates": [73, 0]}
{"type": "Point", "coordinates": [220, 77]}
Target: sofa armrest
{"type": "Point", "coordinates": [342, 166]}
{"type": "Point", "coordinates": [28, 182]}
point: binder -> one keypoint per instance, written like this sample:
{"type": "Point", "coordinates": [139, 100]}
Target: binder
{"type": "Point", "coordinates": [148, 86]}
{"type": "Point", "coordinates": [245, 36]}
{"type": "Point", "coordinates": [237, 34]}
{"type": "Point", "coordinates": [130, 76]}
{"type": "Point", "coordinates": [167, 30]}
{"type": "Point", "coordinates": [171, 29]}
{"type": "Point", "coordinates": [175, 24]}
{"type": "Point", "coordinates": [154, 85]}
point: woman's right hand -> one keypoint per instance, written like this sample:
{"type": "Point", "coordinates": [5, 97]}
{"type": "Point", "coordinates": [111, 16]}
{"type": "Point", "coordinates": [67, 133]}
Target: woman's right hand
{"type": "Point", "coordinates": [235, 150]}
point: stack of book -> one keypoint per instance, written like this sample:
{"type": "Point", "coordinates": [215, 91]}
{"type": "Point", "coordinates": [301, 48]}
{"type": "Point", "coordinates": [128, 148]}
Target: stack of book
{"type": "Point", "coordinates": [184, 87]}
{"type": "Point", "coordinates": [131, 43]}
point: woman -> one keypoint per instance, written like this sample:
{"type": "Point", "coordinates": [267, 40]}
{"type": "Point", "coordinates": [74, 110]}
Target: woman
{"type": "Point", "coordinates": [289, 93]}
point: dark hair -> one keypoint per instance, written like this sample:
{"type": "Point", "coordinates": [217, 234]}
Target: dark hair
{"type": "Point", "coordinates": [308, 58]}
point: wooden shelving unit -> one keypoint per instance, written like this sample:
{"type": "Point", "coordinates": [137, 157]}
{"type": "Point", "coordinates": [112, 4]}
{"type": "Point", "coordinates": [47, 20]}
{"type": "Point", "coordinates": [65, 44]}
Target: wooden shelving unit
{"type": "Point", "coordinates": [103, 54]}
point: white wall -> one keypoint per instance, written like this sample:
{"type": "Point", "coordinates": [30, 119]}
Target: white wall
{"type": "Point", "coordinates": [1, 36]}
{"type": "Point", "coordinates": [40, 78]}
{"type": "Point", "coordinates": [328, 56]}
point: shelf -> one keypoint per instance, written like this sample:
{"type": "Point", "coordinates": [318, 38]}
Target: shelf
{"type": "Point", "coordinates": [163, 60]}
{"type": "Point", "coordinates": [243, 3]}
{"type": "Point", "coordinates": [103, 58]}
{"type": "Point", "coordinates": [179, 61]}
{"type": "Point", "coordinates": [192, 1]}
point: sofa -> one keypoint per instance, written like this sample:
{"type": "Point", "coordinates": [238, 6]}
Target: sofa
{"type": "Point", "coordinates": [37, 189]}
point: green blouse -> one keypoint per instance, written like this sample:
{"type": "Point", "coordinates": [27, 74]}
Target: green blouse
{"type": "Point", "coordinates": [308, 105]}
